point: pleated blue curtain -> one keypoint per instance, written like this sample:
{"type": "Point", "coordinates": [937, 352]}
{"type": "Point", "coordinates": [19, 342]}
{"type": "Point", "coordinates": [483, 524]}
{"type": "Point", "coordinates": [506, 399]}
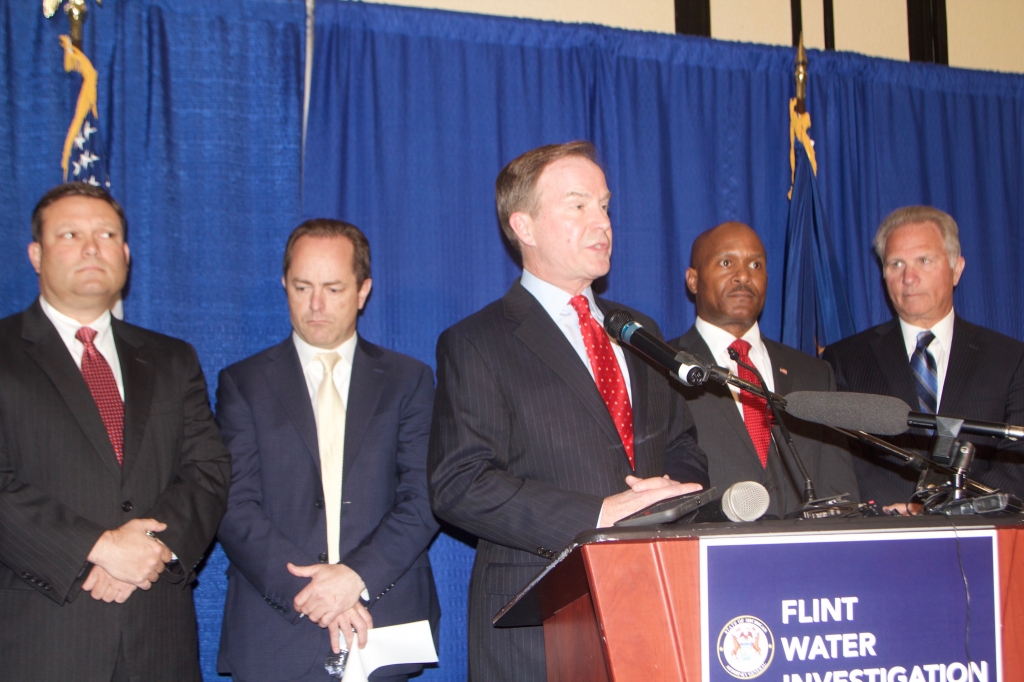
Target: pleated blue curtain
{"type": "Point", "coordinates": [201, 108]}
{"type": "Point", "coordinates": [414, 112]}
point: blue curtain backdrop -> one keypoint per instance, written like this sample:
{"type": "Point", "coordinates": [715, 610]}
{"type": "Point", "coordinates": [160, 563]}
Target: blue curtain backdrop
{"type": "Point", "coordinates": [201, 106]}
{"type": "Point", "coordinates": [413, 114]}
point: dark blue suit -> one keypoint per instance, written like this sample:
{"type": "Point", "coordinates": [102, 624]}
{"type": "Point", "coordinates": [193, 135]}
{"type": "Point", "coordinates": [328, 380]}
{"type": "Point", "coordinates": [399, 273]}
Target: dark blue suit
{"type": "Point", "coordinates": [275, 508]}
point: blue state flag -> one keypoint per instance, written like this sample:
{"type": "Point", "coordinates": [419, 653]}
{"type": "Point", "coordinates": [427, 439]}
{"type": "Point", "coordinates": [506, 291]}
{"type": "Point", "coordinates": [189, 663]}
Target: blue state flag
{"type": "Point", "coordinates": [815, 308]}
{"type": "Point", "coordinates": [84, 158]}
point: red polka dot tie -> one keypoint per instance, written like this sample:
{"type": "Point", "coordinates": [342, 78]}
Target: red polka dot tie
{"type": "Point", "coordinates": [100, 380]}
{"type": "Point", "coordinates": [755, 409]}
{"type": "Point", "coordinates": [607, 373]}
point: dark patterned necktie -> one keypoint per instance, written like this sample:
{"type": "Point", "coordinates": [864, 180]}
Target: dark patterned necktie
{"type": "Point", "coordinates": [755, 409]}
{"type": "Point", "coordinates": [607, 373]}
{"type": "Point", "coordinates": [100, 380]}
{"type": "Point", "coordinates": [926, 376]}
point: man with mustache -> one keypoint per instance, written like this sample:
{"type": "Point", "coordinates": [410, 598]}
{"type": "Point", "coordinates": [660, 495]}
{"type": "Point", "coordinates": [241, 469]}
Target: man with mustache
{"type": "Point", "coordinates": [543, 427]}
{"type": "Point", "coordinates": [728, 277]}
{"type": "Point", "coordinates": [931, 357]}
{"type": "Point", "coordinates": [112, 474]}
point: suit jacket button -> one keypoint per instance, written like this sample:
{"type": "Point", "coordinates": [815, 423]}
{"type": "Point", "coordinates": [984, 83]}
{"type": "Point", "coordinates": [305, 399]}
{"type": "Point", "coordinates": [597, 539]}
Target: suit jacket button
{"type": "Point", "coordinates": [126, 506]}
{"type": "Point", "coordinates": [323, 557]}
{"type": "Point", "coordinates": [319, 504]}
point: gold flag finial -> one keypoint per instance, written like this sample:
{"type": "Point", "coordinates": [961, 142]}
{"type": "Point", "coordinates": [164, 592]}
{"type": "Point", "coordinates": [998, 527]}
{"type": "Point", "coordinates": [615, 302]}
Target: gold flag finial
{"type": "Point", "coordinates": [800, 75]}
{"type": "Point", "coordinates": [76, 11]}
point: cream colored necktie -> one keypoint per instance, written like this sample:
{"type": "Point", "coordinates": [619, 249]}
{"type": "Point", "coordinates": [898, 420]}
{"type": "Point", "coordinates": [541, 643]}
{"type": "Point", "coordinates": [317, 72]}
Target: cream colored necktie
{"type": "Point", "coordinates": [330, 434]}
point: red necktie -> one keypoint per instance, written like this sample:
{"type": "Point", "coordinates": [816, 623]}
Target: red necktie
{"type": "Point", "coordinates": [755, 409]}
{"type": "Point", "coordinates": [607, 373]}
{"type": "Point", "coordinates": [100, 380]}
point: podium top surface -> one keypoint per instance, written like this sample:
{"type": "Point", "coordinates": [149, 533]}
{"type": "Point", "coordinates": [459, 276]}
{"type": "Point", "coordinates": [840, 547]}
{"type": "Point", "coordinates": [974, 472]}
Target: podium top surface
{"type": "Point", "coordinates": [533, 601]}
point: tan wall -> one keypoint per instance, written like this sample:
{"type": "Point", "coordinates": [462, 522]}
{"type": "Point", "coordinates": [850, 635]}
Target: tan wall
{"type": "Point", "coordinates": [986, 34]}
{"type": "Point", "coordinates": [638, 15]}
{"type": "Point", "coordinates": [983, 34]}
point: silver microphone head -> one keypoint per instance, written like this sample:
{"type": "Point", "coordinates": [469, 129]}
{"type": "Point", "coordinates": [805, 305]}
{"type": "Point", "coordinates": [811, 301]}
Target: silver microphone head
{"type": "Point", "coordinates": [745, 501]}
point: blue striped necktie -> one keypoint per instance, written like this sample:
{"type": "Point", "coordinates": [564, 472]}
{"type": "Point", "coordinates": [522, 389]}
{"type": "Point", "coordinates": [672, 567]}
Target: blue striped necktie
{"type": "Point", "coordinates": [925, 374]}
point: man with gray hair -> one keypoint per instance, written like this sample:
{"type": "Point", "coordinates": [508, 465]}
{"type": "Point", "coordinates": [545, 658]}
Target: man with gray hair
{"type": "Point", "coordinates": [931, 357]}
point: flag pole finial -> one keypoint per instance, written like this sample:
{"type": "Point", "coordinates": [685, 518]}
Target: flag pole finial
{"type": "Point", "coordinates": [800, 76]}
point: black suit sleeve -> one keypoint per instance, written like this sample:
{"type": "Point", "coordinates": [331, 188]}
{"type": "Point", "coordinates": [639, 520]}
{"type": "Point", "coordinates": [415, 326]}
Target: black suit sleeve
{"type": "Point", "coordinates": [405, 531]}
{"type": "Point", "coordinates": [192, 505]}
{"type": "Point", "coordinates": [41, 540]}
{"type": "Point", "coordinates": [472, 441]}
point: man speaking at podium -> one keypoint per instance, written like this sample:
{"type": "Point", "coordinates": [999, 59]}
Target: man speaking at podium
{"type": "Point", "coordinates": [728, 276]}
{"type": "Point", "coordinates": [932, 358]}
{"type": "Point", "coordinates": [543, 427]}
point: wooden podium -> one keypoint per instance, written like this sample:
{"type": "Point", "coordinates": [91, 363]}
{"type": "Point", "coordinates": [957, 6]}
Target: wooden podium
{"type": "Point", "coordinates": [625, 605]}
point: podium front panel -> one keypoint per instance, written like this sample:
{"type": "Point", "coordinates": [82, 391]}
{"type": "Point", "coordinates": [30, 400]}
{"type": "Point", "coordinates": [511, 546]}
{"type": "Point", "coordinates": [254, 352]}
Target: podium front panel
{"type": "Point", "coordinates": [851, 607]}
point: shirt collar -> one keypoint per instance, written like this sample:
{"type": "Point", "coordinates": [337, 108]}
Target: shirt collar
{"type": "Point", "coordinates": [308, 353]}
{"type": "Point", "coordinates": [719, 340]}
{"type": "Point", "coordinates": [943, 330]}
{"type": "Point", "coordinates": [556, 301]}
{"type": "Point", "coordinates": [68, 326]}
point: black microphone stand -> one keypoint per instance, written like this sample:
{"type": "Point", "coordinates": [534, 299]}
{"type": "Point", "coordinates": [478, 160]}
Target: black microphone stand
{"type": "Point", "coordinates": [813, 507]}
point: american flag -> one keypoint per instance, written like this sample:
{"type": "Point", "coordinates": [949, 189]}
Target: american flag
{"type": "Point", "coordinates": [88, 162]}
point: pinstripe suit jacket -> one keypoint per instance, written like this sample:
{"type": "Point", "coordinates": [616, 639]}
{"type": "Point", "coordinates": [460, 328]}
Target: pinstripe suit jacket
{"type": "Point", "coordinates": [523, 451]}
{"type": "Point", "coordinates": [61, 488]}
{"type": "Point", "coordinates": [984, 380]}
{"type": "Point", "coordinates": [731, 453]}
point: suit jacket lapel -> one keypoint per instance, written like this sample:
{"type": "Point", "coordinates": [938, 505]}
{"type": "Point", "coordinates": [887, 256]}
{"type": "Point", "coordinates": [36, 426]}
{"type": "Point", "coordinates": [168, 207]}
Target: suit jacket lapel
{"type": "Point", "coordinates": [542, 336]}
{"type": "Point", "coordinates": [693, 342]}
{"type": "Point", "coordinates": [783, 381]}
{"type": "Point", "coordinates": [137, 373]}
{"type": "Point", "coordinates": [891, 354]}
{"type": "Point", "coordinates": [49, 352]}
{"type": "Point", "coordinates": [288, 385]}
{"type": "Point", "coordinates": [364, 392]}
{"type": "Point", "coordinates": [960, 367]}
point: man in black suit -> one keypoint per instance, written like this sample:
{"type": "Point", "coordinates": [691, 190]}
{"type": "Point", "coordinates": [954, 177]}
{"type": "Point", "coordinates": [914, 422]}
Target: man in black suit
{"type": "Point", "coordinates": [329, 518]}
{"type": "Point", "coordinates": [112, 474]}
{"type": "Point", "coordinates": [728, 276]}
{"type": "Point", "coordinates": [931, 357]}
{"type": "Point", "coordinates": [543, 428]}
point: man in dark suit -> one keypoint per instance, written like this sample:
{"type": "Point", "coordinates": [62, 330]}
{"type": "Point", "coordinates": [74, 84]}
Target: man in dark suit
{"type": "Point", "coordinates": [931, 357]}
{"type": "Point", "coordinates": [328, 519]}
{"type": "Point", "coordinates": [544, 428]}
{"type": "Point", "coordinates": [728, 276]}
{"type": "Point", "coordinates": [112, 474]}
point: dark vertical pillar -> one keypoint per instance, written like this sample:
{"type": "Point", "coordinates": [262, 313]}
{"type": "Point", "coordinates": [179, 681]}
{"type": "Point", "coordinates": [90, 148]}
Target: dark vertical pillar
{"type": "Point", "coordinates": [926, 31]}
{"type": "Point", "coordinates": [693, 17]}
{"type": "Point", "coordinates": [796, 15]}
{"type": "Point", "coordinates": [830, 25]}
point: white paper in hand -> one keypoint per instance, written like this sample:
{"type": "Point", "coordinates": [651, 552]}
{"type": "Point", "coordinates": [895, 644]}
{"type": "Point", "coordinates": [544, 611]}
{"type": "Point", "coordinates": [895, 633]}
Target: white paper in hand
{"type": "Point", "coordinates": [392, 645]}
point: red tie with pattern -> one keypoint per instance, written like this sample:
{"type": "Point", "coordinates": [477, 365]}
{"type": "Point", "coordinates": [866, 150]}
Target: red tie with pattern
{"type": "Point", "coordinates": [755, 409]}
{"type": "Point", "coordinates": [100, 380]}
{"type": "Point", "coordinates": [607, 373]}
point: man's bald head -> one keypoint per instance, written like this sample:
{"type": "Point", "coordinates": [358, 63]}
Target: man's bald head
{"type": "Point", "coordinates": [728, 276]}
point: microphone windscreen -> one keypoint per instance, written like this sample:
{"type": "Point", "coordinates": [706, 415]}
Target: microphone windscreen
{"type": "Point", "coordinates": [745, 501]}
{"type": "Point", "coordinates": [881, 415]}
{"type": "Point", "coordinates": [615, 321]}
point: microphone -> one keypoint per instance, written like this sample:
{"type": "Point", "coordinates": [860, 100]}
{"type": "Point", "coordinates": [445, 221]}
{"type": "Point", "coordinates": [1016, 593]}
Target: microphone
{"type": "Point", "coordinates": [881, 415]}
{"type": "Point", "coordinates": [743, 501]}
{"type": "Point", "coordinates": [687, 368]}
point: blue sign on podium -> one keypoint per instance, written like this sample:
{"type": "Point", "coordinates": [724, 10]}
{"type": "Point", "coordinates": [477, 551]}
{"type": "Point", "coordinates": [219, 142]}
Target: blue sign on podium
{"type": "Point", "coordinates": [851, 607]}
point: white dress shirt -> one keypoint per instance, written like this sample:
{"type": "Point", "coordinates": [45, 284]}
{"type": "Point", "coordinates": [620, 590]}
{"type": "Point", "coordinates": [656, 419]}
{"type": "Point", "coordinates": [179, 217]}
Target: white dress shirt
{"type": "Point", "coordinates": [313, 370]}
{"type": "Point", "coordinates": [939, 347]}
{"type": "Point", "coordinates": [104, 341]}
{"type": "Point", "coordinates": [556, 302]}
{"type": "Point", "coordinates": [719, 340]}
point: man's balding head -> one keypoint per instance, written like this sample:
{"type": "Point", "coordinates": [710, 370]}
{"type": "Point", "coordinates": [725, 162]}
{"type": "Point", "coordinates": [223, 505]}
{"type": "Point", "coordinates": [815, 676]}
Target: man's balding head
{"type": "Point", "coordinates": [728, 276]}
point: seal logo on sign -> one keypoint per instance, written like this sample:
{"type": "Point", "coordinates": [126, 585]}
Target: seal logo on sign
{"type": "Point", "coordinates": [745, 647]}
